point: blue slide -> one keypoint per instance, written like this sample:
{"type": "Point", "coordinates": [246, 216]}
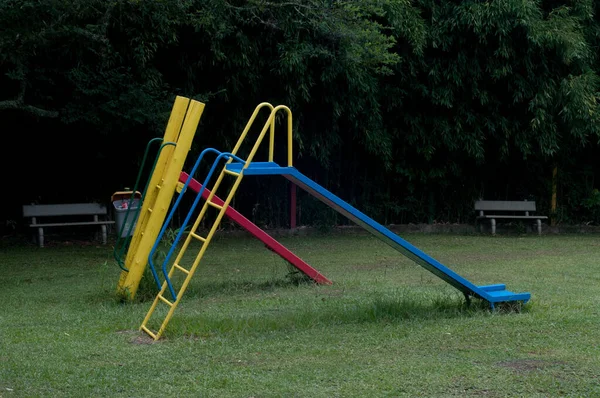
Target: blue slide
{"type": "Point", "coordinates": [491, 293]}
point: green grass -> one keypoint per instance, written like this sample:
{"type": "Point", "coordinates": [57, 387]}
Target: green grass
{"type": "Point", "coordinates": [385, 328]}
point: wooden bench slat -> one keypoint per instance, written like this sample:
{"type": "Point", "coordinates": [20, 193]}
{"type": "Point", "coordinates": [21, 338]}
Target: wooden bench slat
{"type": "Point", "coordinates": [519, 217]}
{"type": "Point", "coordinates": [66, 224]}
{"type": "Point", "coordinates": [71, 209]}
{"type": "Point", "coordinates": [508, 205]}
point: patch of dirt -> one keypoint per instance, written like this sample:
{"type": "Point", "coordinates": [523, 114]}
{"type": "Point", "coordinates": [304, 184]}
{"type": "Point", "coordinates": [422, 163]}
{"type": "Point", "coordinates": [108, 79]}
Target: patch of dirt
{"type": "Point", "coordinates": [138, 337]}
{"type": "Point", "coordinates": [528, 365]}
{"type": "Point", "coordinates": [143, 339]}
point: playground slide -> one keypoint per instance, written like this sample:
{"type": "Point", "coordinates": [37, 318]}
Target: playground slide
{"type": "Point", "coordinates": [258, 233]}
{"type": "Point", "coordinates": [492, 293]}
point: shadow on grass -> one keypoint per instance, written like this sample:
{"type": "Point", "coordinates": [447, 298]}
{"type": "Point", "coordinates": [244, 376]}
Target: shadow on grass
{"type": "Point", "coordinates": [387, 310]}
{"type": "Point", "coordinates": [148, 289]}
{"type": "Point", "coordinates": [318, 308]}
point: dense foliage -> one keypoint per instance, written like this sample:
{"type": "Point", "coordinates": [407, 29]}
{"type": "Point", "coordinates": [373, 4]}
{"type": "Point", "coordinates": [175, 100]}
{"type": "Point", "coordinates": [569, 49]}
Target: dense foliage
{"type": "Point", "coordinates": [410, 109]}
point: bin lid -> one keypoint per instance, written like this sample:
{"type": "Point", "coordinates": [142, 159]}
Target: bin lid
{"type": "Point", "coordinates": [124, 195]}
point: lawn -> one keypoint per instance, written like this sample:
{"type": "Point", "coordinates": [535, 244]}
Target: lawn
{"type": "Point", "coordinates": [246, 328]}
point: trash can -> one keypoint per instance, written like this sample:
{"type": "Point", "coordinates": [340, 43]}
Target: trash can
{"type": "Point", "coordinates": [126, 205]}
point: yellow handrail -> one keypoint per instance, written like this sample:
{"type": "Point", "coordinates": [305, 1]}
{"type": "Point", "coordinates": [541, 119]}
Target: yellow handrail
{"type": "Point", "coordinates": [269, 124]}
{"type": "Point", "coordinates": [250, 123]}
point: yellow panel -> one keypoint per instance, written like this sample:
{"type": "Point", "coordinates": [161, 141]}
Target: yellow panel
{"type": "Point", "coordinates": [171, 134]}
{"type": "Point", "coordinates": [172, 131]}
{"type": "Point", "coordinates": [139, 257]}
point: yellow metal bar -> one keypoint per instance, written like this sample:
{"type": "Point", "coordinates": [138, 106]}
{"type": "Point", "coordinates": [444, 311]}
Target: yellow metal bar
{"type": "Point", "coordinates": [150, 312]}
{"type": "Point", "coordinates": [270, 124]}
{"type": "Point", "coordinates": [180, 268]}
{"type": "Point", "coordinates": [200, 238]}
{"type": "Point", "coordinates": [290, 137]}
{"type": "Point", "coordinates": [272, 140]}
{"type": "Point", "coordinates": [150, 333]}
{"type": "Point", "coordinates": [157, 299]}
{"type": "Point", "coordinates": [249, 124]}
{"type": "Point", "coordinates": [164, 300]}
{"type": "Point", "coordinates": [267, 125]}
{"type": "Point", "coordinates": [216, 206]}
{"type": "Point", "coordinates": [139, 259]}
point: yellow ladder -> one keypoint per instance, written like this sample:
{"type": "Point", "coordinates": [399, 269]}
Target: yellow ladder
{"type": "Point", "coordinates": [171, 304]}
{"type": "Point", "coordinates": [181, 129]}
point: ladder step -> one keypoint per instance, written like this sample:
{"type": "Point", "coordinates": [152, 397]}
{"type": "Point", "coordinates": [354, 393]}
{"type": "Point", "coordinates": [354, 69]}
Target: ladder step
{"type": "Point", "coordinates": [158, 186]}
{"type": "Point", "coordinates": [164, 300]}
{"type": "Point", "coordinates": [213, 204]}
{"type": "Point", "coordinates": [201, 239]}
{"type": "Point", "coordinates": [231, 173]}
{"type": "Point", "coordinates": [179, 267]}
{"type": "Point", "coordinates": [149, 210]}
{"type": "Point", "coordinates": [150, 333]}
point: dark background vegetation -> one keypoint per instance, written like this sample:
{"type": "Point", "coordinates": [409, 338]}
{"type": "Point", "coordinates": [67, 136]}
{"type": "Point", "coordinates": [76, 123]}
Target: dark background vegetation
{"type": "Point", "coordinates": [410, 110]}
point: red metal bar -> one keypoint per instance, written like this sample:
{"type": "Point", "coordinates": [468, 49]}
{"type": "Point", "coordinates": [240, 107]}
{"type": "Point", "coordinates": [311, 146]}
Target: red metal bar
{"type": "Point", "coordinates": [271, 243]}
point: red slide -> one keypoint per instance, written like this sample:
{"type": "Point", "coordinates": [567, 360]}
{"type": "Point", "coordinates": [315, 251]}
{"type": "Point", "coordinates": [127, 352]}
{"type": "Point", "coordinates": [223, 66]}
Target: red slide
{"type": "Point", "coordinates": [249, 226]}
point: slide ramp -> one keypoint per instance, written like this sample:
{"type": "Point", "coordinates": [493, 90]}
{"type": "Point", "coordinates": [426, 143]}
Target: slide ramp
{"type": "Point", "coordinates": [496, 293]}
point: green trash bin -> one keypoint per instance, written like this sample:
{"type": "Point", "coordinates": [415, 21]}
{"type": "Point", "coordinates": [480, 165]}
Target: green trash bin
{"type": "Point", "coordinates": [126, 205]}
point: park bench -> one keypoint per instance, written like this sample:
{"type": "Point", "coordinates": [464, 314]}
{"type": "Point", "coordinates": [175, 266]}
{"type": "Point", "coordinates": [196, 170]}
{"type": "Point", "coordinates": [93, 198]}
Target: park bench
{"type": "Point", "coordinates": [506, 209]}
{"type": "Point", "coordinates": [67, 215]}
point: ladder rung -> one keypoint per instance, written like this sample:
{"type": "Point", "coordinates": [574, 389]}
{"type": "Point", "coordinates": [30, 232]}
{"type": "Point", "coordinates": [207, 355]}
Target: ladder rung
{"type": "Point", "coordinates": [149, 210]}
{"type": "Point", "coordinates": [158, 186]}
{"type": "Point", "coordinates": [164, 300]}
{"type": "Point", "coordinates": [145, 329]}
{"type": "Point", "coordinates": [198, 237]}
{"type": "Point", "coordinates": [213, 204]}
{"type": "Point", "coordinates": [179, 267]}
{"type": "Point", "coordinates": [231, 173]}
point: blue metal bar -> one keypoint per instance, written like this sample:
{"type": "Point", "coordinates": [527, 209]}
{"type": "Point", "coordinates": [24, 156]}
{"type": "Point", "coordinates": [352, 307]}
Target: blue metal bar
{"type": "Point", "coordinates": [220, 156]}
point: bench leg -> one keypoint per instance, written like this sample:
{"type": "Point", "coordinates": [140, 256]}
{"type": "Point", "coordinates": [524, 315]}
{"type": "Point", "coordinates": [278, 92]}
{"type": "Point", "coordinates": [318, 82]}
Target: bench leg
{"type": "Point", "coordinates": [539, 226]}
{"type": "Point", "coordinates": [41, 236]}
{"type": "Point", "coordinates": [493, 222]}
{"type": "Point", "coordinates": [104, 234]}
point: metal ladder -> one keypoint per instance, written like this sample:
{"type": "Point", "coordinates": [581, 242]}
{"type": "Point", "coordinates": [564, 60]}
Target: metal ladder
{"type": "Point", "coordinates": [176, 294]}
